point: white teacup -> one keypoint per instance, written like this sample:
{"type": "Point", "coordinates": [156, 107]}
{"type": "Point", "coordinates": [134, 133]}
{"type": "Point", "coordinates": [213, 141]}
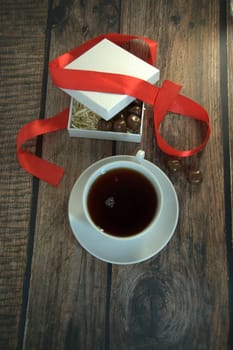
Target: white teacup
{"type": "Point", "coordinates": [131, 248]}
{"type": "Point", "coordinates": [122, 199]}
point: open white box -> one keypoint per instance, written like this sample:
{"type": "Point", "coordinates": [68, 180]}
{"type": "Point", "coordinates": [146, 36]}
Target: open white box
{"type": "Point", "coordinates": [104, 135]}
{"type": "Point", "coordinates": [110, 58]}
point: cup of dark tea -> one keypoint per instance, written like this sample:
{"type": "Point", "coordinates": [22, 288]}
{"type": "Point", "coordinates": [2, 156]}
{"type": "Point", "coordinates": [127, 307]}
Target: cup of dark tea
{"type": "Point", "coordinates": [122, 199]}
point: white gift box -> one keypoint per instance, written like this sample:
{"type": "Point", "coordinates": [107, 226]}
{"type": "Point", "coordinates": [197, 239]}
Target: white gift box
{"type": "Point", "coordinates": [110, 58]}
{"type": "Point", "coordinates": [83, 132]}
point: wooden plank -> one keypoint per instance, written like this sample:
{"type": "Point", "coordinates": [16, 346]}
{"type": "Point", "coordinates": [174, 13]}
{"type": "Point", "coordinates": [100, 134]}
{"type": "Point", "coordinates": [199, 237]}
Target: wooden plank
{"type": "Point", "coordinates": [22, 42]}
{"type": "Point", "coordinates": [68, 286]}
{"type": "Point", "coordinates": [230, 95]}
{"type": "Point", "coordinates": [229, 151]}
{"type": "Point", "coordinates": [179, 299]}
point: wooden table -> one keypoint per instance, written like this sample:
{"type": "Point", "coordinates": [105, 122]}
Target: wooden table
{"type": "Point", "coordinates": [53, 294]}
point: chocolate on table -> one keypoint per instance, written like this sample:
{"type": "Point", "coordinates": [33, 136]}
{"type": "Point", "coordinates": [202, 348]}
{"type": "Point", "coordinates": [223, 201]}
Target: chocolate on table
{"type": "Point", "coordinates": [174, 165]}
{"type": "Point", "coordinates": [195, 176]}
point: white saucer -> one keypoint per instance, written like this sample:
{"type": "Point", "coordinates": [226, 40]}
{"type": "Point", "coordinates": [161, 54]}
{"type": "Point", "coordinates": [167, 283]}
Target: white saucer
{"type": "Point", "coordinates": [110, 249]}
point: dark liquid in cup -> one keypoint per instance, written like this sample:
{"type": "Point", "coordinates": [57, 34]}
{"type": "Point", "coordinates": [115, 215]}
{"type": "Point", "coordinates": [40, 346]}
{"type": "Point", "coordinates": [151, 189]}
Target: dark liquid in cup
{"type": "Point", "coordinates": [122, 202]}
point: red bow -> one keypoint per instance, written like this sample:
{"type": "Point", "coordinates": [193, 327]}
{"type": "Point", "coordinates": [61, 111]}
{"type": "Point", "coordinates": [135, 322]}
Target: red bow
{"type": "Point", "coordinates": [165, 99]}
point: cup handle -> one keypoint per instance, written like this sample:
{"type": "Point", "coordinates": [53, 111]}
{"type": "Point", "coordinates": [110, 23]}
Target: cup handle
{"type": "Point", "coordinates": [140, 155]}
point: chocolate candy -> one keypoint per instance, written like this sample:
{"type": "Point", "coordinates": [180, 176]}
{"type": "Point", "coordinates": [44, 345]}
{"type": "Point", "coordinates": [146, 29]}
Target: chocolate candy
{"type": "Point", "coordinates": [104, 125]}
{"type": "Point", "coordinates": [119, 124]}
{"type": "Point", "coordinates": [137, 102]}
{"type": "Point", "coordinates": [174, 165]}
{"type": "Point", "coordinates": [195, 176]}
{"type": "Point", "coordinates": [135, 110]}
{"type": "Point", "coordinates": [133, 122]}
{"type": "Point", "coordinates": [126, 121]}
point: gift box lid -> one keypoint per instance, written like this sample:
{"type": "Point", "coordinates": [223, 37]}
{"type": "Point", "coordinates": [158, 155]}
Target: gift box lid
{"type": "Point", "coordinates": [110, 58]}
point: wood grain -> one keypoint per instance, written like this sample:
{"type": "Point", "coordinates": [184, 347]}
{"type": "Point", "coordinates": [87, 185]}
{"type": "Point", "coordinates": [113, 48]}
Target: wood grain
{"type": "Point", "coordinates": [67, 283]}
{"type": "Point", "coordinates": [176, 300]}
{"type": "Point", "coordinates": [22, 43]}
{"type": "Point", "coordinates": [230, 99]}
{"type": "Point", "coordinates": [229, 157]}
{"type": "Point", "coordinates": [180, 298]}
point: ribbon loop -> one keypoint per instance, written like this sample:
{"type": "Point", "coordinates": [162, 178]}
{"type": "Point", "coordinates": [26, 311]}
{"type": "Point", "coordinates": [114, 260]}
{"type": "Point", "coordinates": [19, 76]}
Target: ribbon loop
{"type": "Point", "coordinates": [169, 100]}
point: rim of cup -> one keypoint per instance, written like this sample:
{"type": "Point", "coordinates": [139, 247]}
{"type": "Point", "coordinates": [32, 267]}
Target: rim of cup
{"type": "Point", "coordinates": [119, 164]}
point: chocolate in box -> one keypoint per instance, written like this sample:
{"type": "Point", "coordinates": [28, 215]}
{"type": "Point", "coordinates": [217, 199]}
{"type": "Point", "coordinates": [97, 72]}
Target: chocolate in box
{"type": "Point", "coordinates": [85, 123]}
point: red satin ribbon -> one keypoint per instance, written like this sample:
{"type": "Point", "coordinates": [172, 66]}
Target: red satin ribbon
{"type": "Point", "coordinates": [36, 166]}
{"type": "Point", "coordinates": [165, 99]}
